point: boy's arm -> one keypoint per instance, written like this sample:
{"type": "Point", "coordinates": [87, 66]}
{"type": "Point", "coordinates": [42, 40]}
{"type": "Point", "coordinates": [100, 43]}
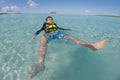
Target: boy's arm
{"type": "Point", "coordinates": [36, 33]}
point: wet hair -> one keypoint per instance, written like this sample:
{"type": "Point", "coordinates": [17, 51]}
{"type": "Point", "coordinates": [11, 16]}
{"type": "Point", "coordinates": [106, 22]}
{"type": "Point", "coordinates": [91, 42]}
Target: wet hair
{"type": "Point", "coordinates": [49, 17]}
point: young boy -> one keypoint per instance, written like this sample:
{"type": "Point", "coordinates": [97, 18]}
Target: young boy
{"type": "Point", "coordinates": [52, 32]}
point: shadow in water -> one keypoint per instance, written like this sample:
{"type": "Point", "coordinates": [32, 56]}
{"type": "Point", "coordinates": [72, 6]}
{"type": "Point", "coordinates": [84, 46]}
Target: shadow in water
{"type": "Point", "coordinates": [85, 65]}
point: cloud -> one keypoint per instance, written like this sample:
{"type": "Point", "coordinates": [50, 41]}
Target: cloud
{"type": "Point", "coordinates": [32, 4]}
{"type": "Point", "coordinates": [10, 9]}
{"type": "Point", "coordinates": [87, 11]}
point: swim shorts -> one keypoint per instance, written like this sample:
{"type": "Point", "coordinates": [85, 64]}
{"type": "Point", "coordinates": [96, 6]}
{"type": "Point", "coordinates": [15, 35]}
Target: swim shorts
{"type": "Point", "coordinates": [56, 35]}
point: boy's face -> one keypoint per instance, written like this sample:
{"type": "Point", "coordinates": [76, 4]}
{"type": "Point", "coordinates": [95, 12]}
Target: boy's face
{"type": "Point", "coordinates": [49, 20]}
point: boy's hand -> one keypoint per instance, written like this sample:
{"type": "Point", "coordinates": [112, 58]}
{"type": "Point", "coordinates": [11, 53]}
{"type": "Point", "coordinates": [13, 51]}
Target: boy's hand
{"type": "Point", "coordinates": [34, 37]}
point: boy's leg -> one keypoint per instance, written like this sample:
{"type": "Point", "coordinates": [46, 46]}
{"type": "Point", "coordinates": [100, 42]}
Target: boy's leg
{"type": "Point", "coordinates": [93, 46]}
{"type": "Point", "coordinates": [41, 55]}
{"type": "Point", "coordinates": [42, 49]}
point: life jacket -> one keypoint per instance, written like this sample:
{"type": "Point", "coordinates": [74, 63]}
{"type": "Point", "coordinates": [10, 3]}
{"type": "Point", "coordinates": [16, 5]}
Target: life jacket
{"type": "Point", "coordinates": [51, 28]}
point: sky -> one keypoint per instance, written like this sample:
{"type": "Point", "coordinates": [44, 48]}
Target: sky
{"type": "Point", "coordinates": [111, 7]}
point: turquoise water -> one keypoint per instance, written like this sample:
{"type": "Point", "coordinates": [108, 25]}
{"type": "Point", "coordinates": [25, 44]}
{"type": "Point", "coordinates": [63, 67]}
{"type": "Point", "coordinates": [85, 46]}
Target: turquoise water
{"type": "Point", "coordinates": [63, 61]}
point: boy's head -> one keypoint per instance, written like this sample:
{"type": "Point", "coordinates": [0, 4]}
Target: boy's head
{"type": "Point", "coordinates": [49, 19]}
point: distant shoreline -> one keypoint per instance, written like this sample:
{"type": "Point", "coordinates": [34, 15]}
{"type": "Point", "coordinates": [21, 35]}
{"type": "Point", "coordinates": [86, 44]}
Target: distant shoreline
{"type": "Point", "coordinates": [109, 16]}
{"type": "Point", "coordinates": [8, 13]}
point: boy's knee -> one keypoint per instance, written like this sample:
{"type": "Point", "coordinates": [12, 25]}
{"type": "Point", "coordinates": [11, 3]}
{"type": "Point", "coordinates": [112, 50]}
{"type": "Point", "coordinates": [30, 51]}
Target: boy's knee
{"type": "Point", "coordinates": [43, 37]}
{"type": "Point", "coordinates": [77, 42]}
{"type": "Point", "coordinates": [43, 41]}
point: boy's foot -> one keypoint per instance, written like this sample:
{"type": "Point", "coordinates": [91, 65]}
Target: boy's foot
{"type": "Point", "coordinates": [99, 45]}
{"type": "Point", "coordinates": [37, 68]}
{"type": "Point", "coordinates": [31, 74]}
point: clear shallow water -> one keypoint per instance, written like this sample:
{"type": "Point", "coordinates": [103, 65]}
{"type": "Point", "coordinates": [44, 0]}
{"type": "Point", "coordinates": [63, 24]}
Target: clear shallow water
{"type": "Point", "coordinates": [64, 61]}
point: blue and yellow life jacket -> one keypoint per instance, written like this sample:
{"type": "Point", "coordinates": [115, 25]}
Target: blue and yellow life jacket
{"type": "Point", "coordinates": [51, 28]}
